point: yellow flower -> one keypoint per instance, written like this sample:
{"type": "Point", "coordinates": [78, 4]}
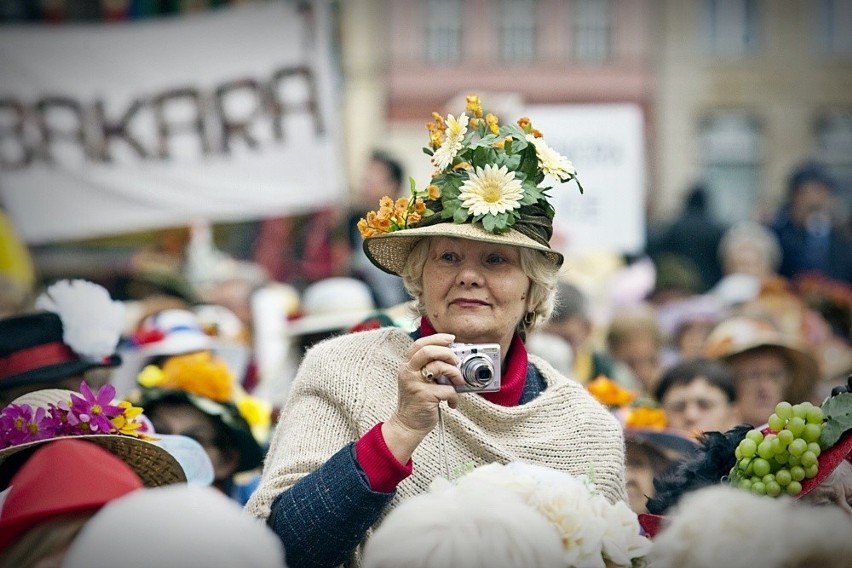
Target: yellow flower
{"type": "Point", "coordinates": [199, 373]}
{"type": "Point", "coordinates": [491, 190]}
{"type": "Point", "coordinates": [646, 417]}
{"type": "Point", "coordinates": [150, 376]}
{"type": "Point", "coordinates": [609, 393]}
{"type": "Point", "coordinates": [474, 106]}
{"type": "Point", "coordinates": [433, 191]}
{"type": "Point", "coordinates": [126, 423]}
{"type": "Point", "coordinates": [258, 415]}
{"type": "Point", "coordinates": [491, 121]}
{"type": "Point", "coordinates": [463, 166]}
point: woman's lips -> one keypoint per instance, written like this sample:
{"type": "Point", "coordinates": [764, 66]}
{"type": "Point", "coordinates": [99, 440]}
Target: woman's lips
{"type": "Point", "coordinates": [468, 303]}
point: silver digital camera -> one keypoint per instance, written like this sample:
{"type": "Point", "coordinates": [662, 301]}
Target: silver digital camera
{"type": "Point", "coordinates": [479, 365]}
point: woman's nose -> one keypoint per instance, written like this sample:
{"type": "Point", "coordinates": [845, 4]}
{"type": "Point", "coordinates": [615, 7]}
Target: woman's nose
{"type": "Point", "coordinates": [469, 275]}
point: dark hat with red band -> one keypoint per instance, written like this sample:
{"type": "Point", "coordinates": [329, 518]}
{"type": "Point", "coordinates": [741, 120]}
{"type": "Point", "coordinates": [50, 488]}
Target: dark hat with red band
{"type": "Point", "coordinates": [32, 352]}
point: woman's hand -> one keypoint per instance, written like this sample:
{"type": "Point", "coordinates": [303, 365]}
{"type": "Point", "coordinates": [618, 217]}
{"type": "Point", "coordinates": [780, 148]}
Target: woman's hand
{"type": "Point", "coordinates": [427, 360]}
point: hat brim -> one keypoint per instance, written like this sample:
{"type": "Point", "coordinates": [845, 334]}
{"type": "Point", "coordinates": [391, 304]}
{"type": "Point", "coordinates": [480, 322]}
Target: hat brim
{"type": "Point", "coordinates": [666, 440]}
{"type": "Point", "coordinates": [389, 251]}
{"type": "Point", "coordinates": [326, 322]}
{"type": "Point", "coordinates": [153, 464]}
{"type": "Point", "coordinates": [58, 372]}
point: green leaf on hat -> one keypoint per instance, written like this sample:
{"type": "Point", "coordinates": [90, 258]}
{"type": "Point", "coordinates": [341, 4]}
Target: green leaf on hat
{"type": "Point", "coordinates": [837, 411]}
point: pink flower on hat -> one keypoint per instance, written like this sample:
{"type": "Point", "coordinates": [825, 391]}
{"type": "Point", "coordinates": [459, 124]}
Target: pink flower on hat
{"type": "Point", "coordinates": [95, 410]}
{"type": "Point", "coordinates": [21, 425]}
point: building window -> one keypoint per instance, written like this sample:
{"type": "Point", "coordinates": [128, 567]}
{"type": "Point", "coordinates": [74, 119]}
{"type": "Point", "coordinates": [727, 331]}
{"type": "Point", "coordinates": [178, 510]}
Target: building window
{"type": "Point", "coordinates": [443, 31]}
{"type": "Point", "coordinates": [834, 141]}
{"type": "Point", "coordinates": [518, 31]}
{"type": "Point", "coordinates": [834, 27]}
{"type": "Point", "coordinates": [592, 25]}
{"type": "Point", "coordinates": [731, 27]}
{"type": "Point", "coordinates": [732, 158]}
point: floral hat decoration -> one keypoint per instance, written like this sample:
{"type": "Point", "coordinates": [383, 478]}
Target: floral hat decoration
{"type": "Point", "coordinates": [46, 415]}
{"type": "Point", "coordinates": [205, 381]}
{"type": "Point", "coordinates": [488, 185]}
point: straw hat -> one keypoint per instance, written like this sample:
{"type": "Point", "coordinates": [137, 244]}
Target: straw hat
{"type": "Point", "coordinates": [389, 251]}
{"type": "Point", "coordinates": [488, 185]}
{"type": "Point", "coordinates": [742, 334]}
{"type": "Point", "coordinates": [66, 476]}
{"type": "Point", "coordinates": [151, 462]}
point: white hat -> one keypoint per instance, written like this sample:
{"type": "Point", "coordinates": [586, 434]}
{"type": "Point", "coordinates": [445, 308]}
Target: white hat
{"type": "Point", "coordinates": [333, 304]}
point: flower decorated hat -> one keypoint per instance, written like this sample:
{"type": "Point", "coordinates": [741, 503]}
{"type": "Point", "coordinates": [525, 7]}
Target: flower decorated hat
{"type": "Point", "coordinates": [205, 381]}
{"type": "Point", "coordinates": [489, 185]}
{"type": "Point", "coordinates": [47, 415]}
{"type": "Point", "coordinates": [77, 329]}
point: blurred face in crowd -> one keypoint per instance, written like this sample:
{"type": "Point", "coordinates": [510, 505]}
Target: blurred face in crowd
{"type": "Point", "coordinates": [642, 355]}
{"type": "Point", "coordinates": [182, 418]}
{"type": "Point", "coordinates": [761, 377]}
{"type": "Point", "coordinates": [698, 406]}
{"type": "Point", "coordinates": [377, 182]}
{"type": "Point", "coordinates": [575, 330]}
{"type": "Point", "coordinates": [836, 489]}
{"type": "Point", "coordinates": [474, 290]}
{"type": "Point", "coordinates": [642, 463]}
{"type": "Point", "coordinates": [812, 197]}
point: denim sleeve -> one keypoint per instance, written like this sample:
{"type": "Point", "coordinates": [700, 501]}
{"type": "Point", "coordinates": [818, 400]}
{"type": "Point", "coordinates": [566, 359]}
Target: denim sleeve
{"type": "Point", "coordinates": [325, 515]}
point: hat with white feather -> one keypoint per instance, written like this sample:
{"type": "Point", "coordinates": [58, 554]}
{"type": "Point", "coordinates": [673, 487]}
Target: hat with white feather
{"type": "Point", "coordinates": [77, 329]}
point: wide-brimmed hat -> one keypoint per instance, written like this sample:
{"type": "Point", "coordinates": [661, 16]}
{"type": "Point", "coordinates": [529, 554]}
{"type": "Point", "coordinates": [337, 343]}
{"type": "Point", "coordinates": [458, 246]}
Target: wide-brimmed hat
{"type": "Point", "coordinates": [488, 185]}
{"type": "Point", "coordinates": [77, 328]}
{"type": "Point", "coordinates": [742, 334]}
{"type": "Point", "coordinates": [48, 415]}
{"type": "Point", "coordinates": [332, 304]}
{"type": "Point", "coordinates": [66, 476]}
{"type": "Point", "coordinates": [389, 251]}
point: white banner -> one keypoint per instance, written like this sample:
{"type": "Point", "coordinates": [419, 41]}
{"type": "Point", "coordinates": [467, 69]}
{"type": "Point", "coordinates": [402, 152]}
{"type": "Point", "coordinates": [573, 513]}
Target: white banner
{"type": "Point", "coordinates": [606, 144]}
{"type": "Point", "coordinates": [111, 128]}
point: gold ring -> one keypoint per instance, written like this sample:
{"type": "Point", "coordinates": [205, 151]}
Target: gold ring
{"type": "Point", "coordinates": [427, 374]}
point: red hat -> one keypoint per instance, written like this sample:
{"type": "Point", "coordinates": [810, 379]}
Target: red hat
{"type": "Point", "coordinates": [63, 476]}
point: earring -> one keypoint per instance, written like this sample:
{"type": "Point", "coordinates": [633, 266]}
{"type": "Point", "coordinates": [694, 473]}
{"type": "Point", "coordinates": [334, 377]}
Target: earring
{"type": "Point", "coordinates": [529, 318]}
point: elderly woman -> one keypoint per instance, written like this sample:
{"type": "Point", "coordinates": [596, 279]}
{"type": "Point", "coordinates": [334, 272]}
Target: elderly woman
{"type": "Point", "coordinates": [373, 417]}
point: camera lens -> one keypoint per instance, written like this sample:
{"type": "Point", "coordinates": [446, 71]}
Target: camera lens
{"type": "Point", "coordinates": [477, 371]}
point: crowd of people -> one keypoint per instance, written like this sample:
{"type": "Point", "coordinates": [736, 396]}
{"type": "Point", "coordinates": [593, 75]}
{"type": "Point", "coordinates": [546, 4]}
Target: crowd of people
{"type": "Point", "coordinates": [434, 385]}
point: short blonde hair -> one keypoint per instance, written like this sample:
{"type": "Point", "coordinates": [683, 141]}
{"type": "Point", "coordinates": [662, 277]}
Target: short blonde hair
{"type": "Point", "coordinates": [543, 275]}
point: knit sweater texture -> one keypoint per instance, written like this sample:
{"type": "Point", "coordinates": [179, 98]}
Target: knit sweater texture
{"type": "Point", "coordinates": [347, 384]}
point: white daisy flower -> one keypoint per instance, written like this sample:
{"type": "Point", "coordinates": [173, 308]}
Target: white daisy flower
{"type": "Point", "coordinates": [552, 162]}
{"type": "Point", "coordinates": [491, 190]}
{"type": "Point", "coordinates": [456, 129]}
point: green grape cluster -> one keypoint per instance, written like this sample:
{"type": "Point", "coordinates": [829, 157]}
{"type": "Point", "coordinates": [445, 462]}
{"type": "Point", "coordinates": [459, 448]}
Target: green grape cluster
{"type": "Point", "coordinates": [776, 462]}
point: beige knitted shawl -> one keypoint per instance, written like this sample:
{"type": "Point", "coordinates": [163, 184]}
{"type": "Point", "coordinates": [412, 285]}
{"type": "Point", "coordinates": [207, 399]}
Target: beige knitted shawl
{"type": "Point", "coordinates": [347, 384]}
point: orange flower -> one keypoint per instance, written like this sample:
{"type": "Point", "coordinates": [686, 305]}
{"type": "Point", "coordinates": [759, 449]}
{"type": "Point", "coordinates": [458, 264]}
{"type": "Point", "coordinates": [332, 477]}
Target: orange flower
{"type": "Point", "coordinates": [646, 417]}
{"type": "Point", "coordinates": [524, 123]}
{"type": "Point", "coordinates": [434, 191]}
{"type": "Point", "coordinates": [609, 393]}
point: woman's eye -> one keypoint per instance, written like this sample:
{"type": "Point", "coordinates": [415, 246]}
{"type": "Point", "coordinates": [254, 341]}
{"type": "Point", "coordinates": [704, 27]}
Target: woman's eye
{"type": "Point", "coordinates": [495, 259]}
{"type": "Point", "coordinates": [449, 256]}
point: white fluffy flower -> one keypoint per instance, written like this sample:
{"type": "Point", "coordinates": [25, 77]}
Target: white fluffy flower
{"type": "Point", "coordinates": [453, 137]}
{"type": "Point", "coordinates": [91, 320]}
{"type": "Point", "coordinates": [491, 190]}
{"type": "Point", "coordinates": [594, 532]}
{"type": "Point", "coordinates": [552, 162]}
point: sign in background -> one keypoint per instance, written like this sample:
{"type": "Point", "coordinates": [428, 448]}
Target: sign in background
{"type": "Point", "coordinates": [606, 144]}
{"type": "Point", "coordinates": [222, 116]}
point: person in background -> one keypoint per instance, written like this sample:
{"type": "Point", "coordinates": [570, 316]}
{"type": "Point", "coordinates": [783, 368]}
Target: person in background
{"type": "Point", "coordinates": [698, 395]}
{"type": "Point", "coordinates": [634, 338]}
{"type": "Point", "coordinates": [52, 496]}
{"type": "Point", "coordinates": [685, 325]}
{"type": "Point", "coordinates": [184, 527]}
{"type": "Point", "coordinates": [72, 335]}
{"type": "Point", "coordinates": [695, 236]}
{"type": "Point", "coordinates": [650, 453]}
{"type": "Point", "coordinates": [571, 320]}
{"type": "Point", "coordinates": [373, 417]}
{"type": "Point", "coordinates": [768, 366]}
{"type": "Point", "coordinates": [812, 239]}
{"type": "Point", "coordinates": [197, 395]}
{"type": "Point", "coordinates": [382, 176]}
